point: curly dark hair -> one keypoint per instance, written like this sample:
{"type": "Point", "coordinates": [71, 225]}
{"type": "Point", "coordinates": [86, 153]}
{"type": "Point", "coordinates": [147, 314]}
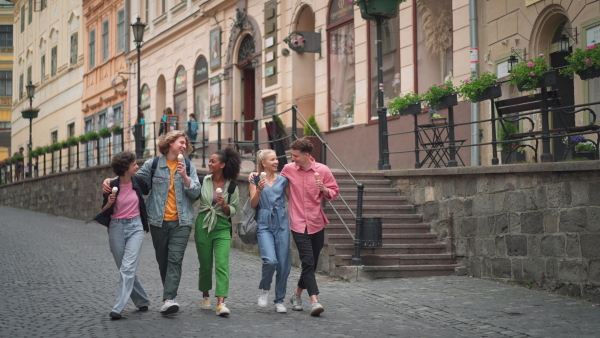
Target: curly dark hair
{"type": "Point", "coordinates": [233, 162]}
{"type": "Point", "coordinates": [121, 162]}
{"type": "Point", "coordinates": [303, 144]}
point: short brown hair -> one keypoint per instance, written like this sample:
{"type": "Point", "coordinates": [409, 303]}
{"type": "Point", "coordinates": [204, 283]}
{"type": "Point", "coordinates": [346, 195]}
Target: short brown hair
{"type": "Point", "coordinates": [303, 144]}
{"type": "Point", "coordinates": [165, 141]}
{"type": "Point", "coordinates": [121, 162]}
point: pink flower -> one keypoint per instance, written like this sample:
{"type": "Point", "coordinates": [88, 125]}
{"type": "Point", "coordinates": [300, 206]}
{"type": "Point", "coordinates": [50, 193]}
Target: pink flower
{"type": "Point", "coordinates": [532, 73]}
{"type": "Point", "coordinates": [591, 47]}
{"type": "Point", "coordinates": [440, 84]}
{"type": "Point", "coordinates": [467, 80]}
{"type": "Point", "coordinates": [541, 55]}
{"type": "Point", "coordinates": [588, 62]}
{"type": "Point", "coordinates": [445, 87]}
{"type": "Point", "coordinates": [530, 64]}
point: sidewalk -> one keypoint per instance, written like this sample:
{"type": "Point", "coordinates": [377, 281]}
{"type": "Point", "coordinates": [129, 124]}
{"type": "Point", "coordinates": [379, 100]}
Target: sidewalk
{"type": "Point", "coordinates": [60, 280]}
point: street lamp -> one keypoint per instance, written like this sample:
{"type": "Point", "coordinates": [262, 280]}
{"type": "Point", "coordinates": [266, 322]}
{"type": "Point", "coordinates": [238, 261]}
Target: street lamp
{"type": "Point", "coordinates": [30, 93]}
{"type": "Point", "coordinates": [138, 38]}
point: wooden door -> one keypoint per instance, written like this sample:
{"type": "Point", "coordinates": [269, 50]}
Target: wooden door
{"type": "Point", "coordinates": [249, 104]}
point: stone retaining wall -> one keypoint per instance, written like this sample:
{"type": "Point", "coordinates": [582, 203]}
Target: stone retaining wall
{"type": "Point", "coordinates": [533, 224]}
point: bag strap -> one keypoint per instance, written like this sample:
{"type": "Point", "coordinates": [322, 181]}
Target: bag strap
{"type": "Point", "coordinates": [188, 163]}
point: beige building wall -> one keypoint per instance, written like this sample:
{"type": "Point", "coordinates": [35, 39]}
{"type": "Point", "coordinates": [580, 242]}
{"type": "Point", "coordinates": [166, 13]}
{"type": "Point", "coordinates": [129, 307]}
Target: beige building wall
{"type": "Point", "coordinates": [58, 95]}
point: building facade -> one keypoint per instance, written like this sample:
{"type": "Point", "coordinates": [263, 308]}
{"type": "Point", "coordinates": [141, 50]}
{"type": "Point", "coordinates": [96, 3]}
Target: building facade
{"type": "Point", "coordinates": [6, 65]}
{"type": "Point", "coordinates": [47, 53]}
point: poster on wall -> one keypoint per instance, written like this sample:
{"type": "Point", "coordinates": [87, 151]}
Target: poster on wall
{"type": "Point", "coordinates": [592, 36]}
{"type": "Point", "coordinates": [215, 48]}
{"type": "Point", "coordinates": [215, 96]}
{"type": "Point", "coordinates": [172, 122]}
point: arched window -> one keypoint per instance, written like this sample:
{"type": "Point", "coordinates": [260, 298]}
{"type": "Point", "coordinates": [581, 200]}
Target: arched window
{"type": "Point", "coordinates": [201, 104]}
{"type": "Point", "coordinates": [342, 79]}
{"type": "Point", "coordinates": [180, 95]}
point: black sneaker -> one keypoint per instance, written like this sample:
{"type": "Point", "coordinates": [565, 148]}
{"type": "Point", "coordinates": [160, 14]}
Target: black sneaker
{"type": "Point", "coordinates": [114, 316]}
{"type": "Point", "coordinates": [143, 308]}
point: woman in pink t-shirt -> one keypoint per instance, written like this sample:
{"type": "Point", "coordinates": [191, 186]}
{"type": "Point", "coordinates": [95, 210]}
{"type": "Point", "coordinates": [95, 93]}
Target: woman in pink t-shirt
{"type": "Point", "coordinates": [124, 213]}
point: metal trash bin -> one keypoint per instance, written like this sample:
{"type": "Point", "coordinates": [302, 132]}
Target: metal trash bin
{"type": "Point", "coordinates": [371, 232]}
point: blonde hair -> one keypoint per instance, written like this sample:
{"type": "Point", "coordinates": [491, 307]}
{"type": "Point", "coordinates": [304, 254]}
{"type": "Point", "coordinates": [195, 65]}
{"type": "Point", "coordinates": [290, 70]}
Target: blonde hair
{"type": "Point", "coordinates": [261, 156]}
{"type": "Point", "coordinates": [164, 142]}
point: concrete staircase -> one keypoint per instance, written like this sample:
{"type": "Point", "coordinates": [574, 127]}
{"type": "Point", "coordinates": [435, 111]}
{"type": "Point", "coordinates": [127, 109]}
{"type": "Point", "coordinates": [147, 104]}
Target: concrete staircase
{"type": "Point", "coordinates": [409, 248]}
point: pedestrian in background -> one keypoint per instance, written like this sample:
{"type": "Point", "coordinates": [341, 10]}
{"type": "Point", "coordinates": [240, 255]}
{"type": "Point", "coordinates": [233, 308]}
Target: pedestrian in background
{"type": "Point", "coordinates": [170, 210]}
{"type": "Point", "coordinates": [19, 164]}
{"type": "Point", "coordinates": [124, 215]}
{"type": "Point", "coordinates": [273, 228]}
{"type": "Point", "coordinates": [213, 227]}
{"type": "Point", "coordinates": [192, 127]}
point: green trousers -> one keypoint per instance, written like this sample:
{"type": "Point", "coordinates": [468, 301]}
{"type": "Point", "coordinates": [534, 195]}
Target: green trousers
{"type": "Point", "coordinates": [170, 242]}
{"type": "Point", "coordinates": [213, 246]}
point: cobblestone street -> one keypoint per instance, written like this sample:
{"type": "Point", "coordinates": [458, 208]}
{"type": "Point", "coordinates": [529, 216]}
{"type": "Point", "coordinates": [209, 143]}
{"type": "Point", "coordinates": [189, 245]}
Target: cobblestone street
{"type": "Point", "coordinates": [60, 280]}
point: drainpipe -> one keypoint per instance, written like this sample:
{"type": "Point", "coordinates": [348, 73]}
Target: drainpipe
{"type": "Point", "coordinates": [473, 23]}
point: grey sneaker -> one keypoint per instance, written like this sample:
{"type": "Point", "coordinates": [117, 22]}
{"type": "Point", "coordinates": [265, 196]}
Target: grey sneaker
{"type": "Point", "coordinates": [296, 303]}
{"type": "Point", "coordinates": [316, 309]}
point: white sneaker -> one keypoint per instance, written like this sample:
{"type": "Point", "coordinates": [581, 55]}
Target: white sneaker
{"type": "Point", "coordinates": [222, 310]}
{"type": "Point", "coordinates": [205, 305]}
{"type": "Point", "coordinates": [296, 303]}
{"type": "Point", "coordinates": [316, 309]}
{"type": "Point", "coordinates": [170, 306]}
{"type": "Point", "coordinates": [280, 308]}
{"type": "Point", "coordinates": [263, 298]}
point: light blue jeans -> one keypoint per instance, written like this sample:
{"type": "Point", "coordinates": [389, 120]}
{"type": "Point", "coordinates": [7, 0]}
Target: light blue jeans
{"type": "Point", "coordinates": [125, 239]}
{"type": "Point", "coordinates": [274, 246]}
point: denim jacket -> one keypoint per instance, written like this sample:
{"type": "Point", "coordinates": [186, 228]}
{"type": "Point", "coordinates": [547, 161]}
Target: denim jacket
{"type": "Point", "coordinates": [157, 199]}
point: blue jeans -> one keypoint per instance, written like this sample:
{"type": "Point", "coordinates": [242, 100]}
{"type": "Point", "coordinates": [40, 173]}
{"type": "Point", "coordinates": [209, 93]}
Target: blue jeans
{"type": "Point", "coordinates": [274, 246]}
{"type": "Point", "coordinates": [125, 239]}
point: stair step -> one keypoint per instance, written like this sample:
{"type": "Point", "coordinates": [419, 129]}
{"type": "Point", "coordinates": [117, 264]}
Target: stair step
{"type": "Point", "coordinates": [391, 260]}
{"type": "Point", "coordinates": [374, 209]}
{"type": "Point", "coordinates": [404, 271]}
{"type": "Point", "coordinates": [336, 227]}
{"type": "Point", "coordinates": [341, 174]}
{"type": "Point", "coordinates": [389, 249]}
{"type": "Point", "coordinates": [393, 218]}
{"type": "Point", "coordinates": [373, 199]}
{"type": "Point", "coordinates": [419, 238]}
{"type": "Point", "coordinates": [369, 191]}
{"type": "Point", "coordinates": [383, 183]}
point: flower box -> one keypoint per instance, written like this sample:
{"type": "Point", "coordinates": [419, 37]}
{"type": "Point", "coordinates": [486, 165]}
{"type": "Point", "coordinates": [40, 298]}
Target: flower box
{"type": "Point", "coordinates": [412, 109]}
{"type": "Point", "coordinates": [590, 155]}
{"type": "Point", "coordinates": [447, 101]}
{"type": "Point", "coordinates": [549, 79]}
{"type": "Point", "coordinates": [371, 9]}
{"type": "Point", "coordinates": [492, 92]}
{"type": "Point", "coordinates": [30, 113]}
{"type": "Point", "coordinates": [589, 73]}
{"type": "Point", "coordinates": [439, 121]}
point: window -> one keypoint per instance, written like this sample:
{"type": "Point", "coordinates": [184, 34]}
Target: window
{"type": "Point", "coordinates": [40, 5]}
{"type": "Point", "coordinates": [147, 11]}
{"type": "Point", "coordinates": [162, 7]}
{"type": "Point", "coordinates": [342, 79]}
{"type": "Point", "coordinates": [20, 86]}
{"type": "Point", "coordinates": [4, 125]}
{"type": "Point", "coordinates": [43, 68]}
{"type": "Point", "coordinates": [201, 103]}
{"type": "Point", "coordinates": [28, 75]}
{"type": "Point", "coordinates": [53, 61]}
{"type": "Point", "coordinates": [120, 30]}
{"type": "Point", "coordinates": [391, 62]}
{"type": "Point", "coordinates": [73, 155]}
{"type": "Point", "coordinates": [105, 40]}
{"type": "Point", "coordinates": [92, 48]}
{"type": "Point", "coordinates": [6, 83]}
{"type": "Point", "coordinates": [180, 97]}
{"type": "Point", "coordinates": [54, 139]}
{"type": "Point", "coordinates": [6, 36]}
{"type": "Point", "coordinates": [118, 119]}
{"type": "Point", "coordinates": [30, 11]}
{"type": "Point", "coordinates": [74, 47]}
{"type": "Point", "coordinates": [22, 19]}
{"type": "Point", "coordinates": [89, 147]}
{"type": "Point", "coordinates": [103, 143]}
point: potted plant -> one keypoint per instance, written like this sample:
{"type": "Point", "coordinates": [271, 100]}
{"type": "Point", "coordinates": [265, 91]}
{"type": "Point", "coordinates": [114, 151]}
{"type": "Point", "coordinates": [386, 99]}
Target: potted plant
{"type": "Point", "coordinates": [586, 149]}
{"type": "Point", "coordinates": [583, 62]}
{"type": "Point", "coordinates": [311, 130]}
{"type": "Point", "coordinates": [440, 96]}
{"type": "Point", "coordinates": [407, 104]}
{"type": "Point", "coordinates": [91, 136]}
{"type": "Point", "coordinates": [71, 141]}
{"type": "Point", "coordinates": [116, 129]}
{"type": "Point", "coordinates": [30, 112]}
{"type": "Point", "coordinates": [55, 146]}
{"type": "Point", "coordinates": [370, 9]}
{"type": "Point", "coordinates": [516, 151]}
{"type": "Point", "coordinates": [436, 119]}
{"type": "Point", "coordinates": [480, 88]}
{"type": "Point", "coordinates": [104, 132]}
{"type": "Point", "coordinates": [531, 74]}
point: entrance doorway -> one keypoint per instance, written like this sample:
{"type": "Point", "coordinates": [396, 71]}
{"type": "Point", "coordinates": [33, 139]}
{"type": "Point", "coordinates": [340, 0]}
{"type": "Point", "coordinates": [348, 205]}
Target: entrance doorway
{"type": "Point", "coordinates": [248, 100]}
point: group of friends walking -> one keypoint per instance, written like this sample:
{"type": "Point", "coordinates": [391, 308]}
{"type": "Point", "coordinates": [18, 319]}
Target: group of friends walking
{"type": "Point", "coordinates": [172, 186]}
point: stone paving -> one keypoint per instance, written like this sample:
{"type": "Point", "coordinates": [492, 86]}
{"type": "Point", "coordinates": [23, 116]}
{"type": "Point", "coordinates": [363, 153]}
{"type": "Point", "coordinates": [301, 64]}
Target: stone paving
{"type": "Point", "coordinates": [60, 280]}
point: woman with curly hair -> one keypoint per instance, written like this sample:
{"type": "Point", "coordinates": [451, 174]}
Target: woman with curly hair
{"type": "Point", "coordinates": [124, 215]}
{"type": "Point", "coordinates": [213, 228]}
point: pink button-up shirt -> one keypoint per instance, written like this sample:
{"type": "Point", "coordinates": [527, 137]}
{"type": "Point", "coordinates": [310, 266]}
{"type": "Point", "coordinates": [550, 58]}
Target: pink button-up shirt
{"type": "Point", "coordinates": [305, 198]}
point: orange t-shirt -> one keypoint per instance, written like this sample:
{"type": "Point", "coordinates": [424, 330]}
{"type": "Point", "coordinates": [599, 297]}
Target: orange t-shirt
{"type": "Point", "coordinates": [171, 209]}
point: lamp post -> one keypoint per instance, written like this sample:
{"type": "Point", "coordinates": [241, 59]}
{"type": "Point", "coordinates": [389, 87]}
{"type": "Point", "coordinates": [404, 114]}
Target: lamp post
{"type": "Point", "coordinates": [138, 38]}
{"type": "Point", "coordinates": [30, 93]}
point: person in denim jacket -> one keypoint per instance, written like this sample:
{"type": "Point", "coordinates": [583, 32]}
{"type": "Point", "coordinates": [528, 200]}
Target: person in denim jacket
{"type": "Point", "coordinates": [170, 210]}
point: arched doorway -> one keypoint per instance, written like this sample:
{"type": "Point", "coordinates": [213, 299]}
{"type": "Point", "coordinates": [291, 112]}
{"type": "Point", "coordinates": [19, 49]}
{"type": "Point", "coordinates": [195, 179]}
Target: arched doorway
{"type": "Point", "coordinates": [303, 90]}
{"type": "Point", "coordinates": [161, 100]}
{"type": "Point", "coordinates": [248, 93]}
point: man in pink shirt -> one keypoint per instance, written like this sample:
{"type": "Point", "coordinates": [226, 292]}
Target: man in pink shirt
{"type": "Point", "coordinates": [310, 182]}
